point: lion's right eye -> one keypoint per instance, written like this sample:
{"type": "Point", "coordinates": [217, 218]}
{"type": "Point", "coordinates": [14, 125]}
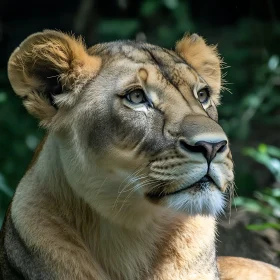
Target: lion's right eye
{"type": "Point", "coordinates": [203, 95]}
{"type": "Point", "coordinates": [137, 96]}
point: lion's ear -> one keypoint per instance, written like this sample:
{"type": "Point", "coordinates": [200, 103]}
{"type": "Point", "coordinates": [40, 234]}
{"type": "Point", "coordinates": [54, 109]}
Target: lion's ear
{"type": "Point", "coordinates": [203, 58]}
{"type": "Point", "coordinates": [48, 70]}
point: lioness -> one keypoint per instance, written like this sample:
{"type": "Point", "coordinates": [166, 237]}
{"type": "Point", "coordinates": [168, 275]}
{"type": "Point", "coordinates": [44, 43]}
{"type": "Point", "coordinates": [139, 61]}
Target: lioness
{"type": "Point", "coordinates": [133, 170]}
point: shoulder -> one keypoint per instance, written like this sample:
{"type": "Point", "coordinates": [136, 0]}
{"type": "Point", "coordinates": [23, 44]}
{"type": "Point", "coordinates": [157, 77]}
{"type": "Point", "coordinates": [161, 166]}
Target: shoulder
{"type": "Point", "coordinates": [233, 268]}
{"type": "Point", "coordinates": [17, 261]}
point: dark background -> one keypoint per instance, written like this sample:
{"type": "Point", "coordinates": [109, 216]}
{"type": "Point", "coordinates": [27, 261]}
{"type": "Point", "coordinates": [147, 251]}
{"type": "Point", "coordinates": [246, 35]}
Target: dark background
{"type": "Point", "coordinates": [248, 37]}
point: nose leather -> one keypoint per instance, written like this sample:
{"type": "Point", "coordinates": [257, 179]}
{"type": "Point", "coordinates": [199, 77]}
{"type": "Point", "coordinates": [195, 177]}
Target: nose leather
{"type": "Point", "coordinates": [208, 149]}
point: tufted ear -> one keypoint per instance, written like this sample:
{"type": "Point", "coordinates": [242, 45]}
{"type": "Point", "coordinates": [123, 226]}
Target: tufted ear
{"type": "Point", "coordinates": [203, 58]}
{"type": "Point", "coordinates": [48, 70]}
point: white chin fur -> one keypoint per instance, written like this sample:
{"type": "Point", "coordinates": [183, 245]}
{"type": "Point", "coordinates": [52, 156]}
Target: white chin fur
{"type": "Point", "coordinates": [204, 202]}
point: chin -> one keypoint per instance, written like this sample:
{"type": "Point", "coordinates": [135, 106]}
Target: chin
{"type": "Point", "coordinates": [207, 202]}
{"type": "Point", "coordinates": [203, 199]}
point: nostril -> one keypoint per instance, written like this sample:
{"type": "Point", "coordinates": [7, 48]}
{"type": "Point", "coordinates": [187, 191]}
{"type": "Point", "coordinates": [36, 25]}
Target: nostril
{"type": "Point", "coordinates": [222, 146]}
{"type": "Point", "coordinates": [186, 147]}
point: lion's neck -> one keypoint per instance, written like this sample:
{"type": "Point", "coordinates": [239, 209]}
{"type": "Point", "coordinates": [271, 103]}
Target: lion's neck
{"type": "Point", "coordinates": [171, 246]}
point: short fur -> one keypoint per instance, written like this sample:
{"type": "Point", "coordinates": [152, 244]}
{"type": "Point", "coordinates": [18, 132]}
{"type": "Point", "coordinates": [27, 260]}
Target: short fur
{"type": "Point", "coordinates": [112, 192]}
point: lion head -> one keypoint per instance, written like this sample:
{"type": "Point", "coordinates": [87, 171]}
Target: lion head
{"type": "Point", "coordinates": [135, 125]}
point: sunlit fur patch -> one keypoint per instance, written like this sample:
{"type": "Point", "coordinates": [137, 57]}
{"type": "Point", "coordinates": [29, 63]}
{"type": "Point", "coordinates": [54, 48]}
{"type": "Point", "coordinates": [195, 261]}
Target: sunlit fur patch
{"type": "Point", "coordinates": [201, 198]}
{"type": "Point", "coordinates": [206, 201]}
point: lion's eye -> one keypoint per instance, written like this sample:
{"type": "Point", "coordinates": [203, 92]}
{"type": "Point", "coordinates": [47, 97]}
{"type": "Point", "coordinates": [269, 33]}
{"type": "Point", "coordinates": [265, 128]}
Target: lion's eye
{"type": "Point", "coordinates": [203, 95]}
{"type": "Point", "coordinates": [136, 96]}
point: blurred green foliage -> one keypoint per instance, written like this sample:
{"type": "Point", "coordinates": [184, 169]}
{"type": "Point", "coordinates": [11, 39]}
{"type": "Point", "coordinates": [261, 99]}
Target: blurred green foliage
{"type": "Point", "coordinates": [250, 115]}
{"type": "Point", "coordinates": [266, 202]}
{"type": "Point", "coordinates": [269, 156]}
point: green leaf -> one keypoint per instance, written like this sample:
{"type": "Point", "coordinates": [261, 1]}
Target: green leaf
{"type": "Point", "coordinates": [248, 203]}
{"type": "Point", "coordinates": [273, 151]}
{"type": "Point", "coordinates": [258, 227]}
{"type": "Point", "coordinates": [272, 201]}
{"type": "Point", "coordinates": [275, 192]}
{"type": "Point", "coordinates": [273, 62]}
{"type": "Point", "coordinates": [262, 148]}
{"type": "Point", "coordinates": [262, 156]}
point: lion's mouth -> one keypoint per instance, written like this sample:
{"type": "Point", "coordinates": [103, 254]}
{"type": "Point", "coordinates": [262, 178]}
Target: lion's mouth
{"type": "Point", "coordinates": [202, 184]}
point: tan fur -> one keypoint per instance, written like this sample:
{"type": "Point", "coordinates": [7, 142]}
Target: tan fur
{"type": "Point", "coordinates": [160, 248]}
{"type": "Point", "coordinates": [205, 59]}
{"type": "Point", "coordinates": [84, 208]}
{"type": "Point", "coordinates": [64, 55]}
{"type": "Point", "coordinates": [233, 268]}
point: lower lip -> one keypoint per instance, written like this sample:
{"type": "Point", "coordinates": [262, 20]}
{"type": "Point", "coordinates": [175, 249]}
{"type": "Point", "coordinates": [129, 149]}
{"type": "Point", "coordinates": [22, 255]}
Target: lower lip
{"type": "Point", "coordinates": [200, 185]}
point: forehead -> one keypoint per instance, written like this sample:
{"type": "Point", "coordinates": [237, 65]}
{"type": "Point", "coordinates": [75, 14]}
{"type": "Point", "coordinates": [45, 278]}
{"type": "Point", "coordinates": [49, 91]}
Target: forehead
{"type": "Point", "coordinates": [138, 52]}
{"type": "Point", "coordinates": [129, 55]}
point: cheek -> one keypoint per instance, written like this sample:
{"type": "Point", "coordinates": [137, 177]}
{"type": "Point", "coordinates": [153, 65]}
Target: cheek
{"type": "Point", "coordinates": [114, 127]}
{"type": "Point", "coordinates": [100, 132]}
{"type": "Point", "coordinates": [128, 128]}
{"type": "Point", "coordinates": [125, 129]}
{"type": "Point", "coordinates": [139, 131]}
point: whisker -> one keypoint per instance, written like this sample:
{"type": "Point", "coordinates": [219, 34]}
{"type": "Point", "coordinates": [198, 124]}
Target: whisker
{"type": "Point", "coordinates": [137, 171]}
{"type": "Point", "coordinates": [149, 181]}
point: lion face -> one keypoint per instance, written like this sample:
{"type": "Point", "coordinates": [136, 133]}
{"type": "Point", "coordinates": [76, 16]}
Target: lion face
{"type": "Point", "coordinates": [136, 124]}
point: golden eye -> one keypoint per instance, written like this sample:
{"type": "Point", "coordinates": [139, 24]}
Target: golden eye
{"type": "Point", "coordinates": [203, 95]}
{"type": "Point", "coordinates": [136, 97]}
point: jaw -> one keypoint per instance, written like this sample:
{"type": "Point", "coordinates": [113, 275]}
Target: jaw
{"type": "Point", "coordinates": [207, 202]}
{"type": "Point", "coordinates": [197, 200]}
{"type": "Point", "coordinates": [127, 205]}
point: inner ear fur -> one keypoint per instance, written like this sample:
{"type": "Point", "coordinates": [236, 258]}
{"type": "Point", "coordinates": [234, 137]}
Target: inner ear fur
{"type": "Point", "coordinates": [48, 70]}
{"type": "Point", "coordinates": [203, 58]}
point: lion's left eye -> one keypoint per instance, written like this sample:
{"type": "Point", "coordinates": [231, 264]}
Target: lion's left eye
{"type": "Point", "coordinates": [136, 97]}
{"type": "Point", "coordinates": [203, 95]}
